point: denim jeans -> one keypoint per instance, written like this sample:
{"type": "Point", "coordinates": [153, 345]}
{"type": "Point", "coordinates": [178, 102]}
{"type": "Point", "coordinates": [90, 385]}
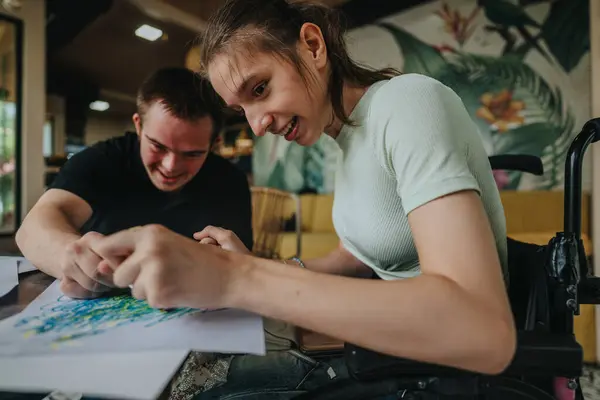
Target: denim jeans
{"type": "Point", "coordinates": [279, 375]}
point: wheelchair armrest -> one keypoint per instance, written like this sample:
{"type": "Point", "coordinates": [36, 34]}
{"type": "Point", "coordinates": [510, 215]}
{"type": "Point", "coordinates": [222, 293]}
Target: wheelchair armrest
{"type": "Point", "coordinates": [538, 354]}
{"type": "Point", "coordinates": [367, 365]}
{"type": "Point", "coordinates": [546, 354]}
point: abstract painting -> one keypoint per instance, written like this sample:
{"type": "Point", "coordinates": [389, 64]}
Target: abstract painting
{"type": "Point", "coordinates": [56, 324]}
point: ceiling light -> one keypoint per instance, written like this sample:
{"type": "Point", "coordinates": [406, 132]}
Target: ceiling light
{"type": "Point", "coordinates": [99, 105]}
{"type": "Point", "coordinates": [148, 32]}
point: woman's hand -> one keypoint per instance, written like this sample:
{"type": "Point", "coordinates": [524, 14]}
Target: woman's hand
{"type": "Point", "coordinates": [222, 238]}
{"type": "Point", "coordinates": [167, 269]}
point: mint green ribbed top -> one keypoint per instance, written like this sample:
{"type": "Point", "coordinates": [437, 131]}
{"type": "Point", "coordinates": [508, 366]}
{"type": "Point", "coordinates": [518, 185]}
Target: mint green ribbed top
{"type": "Point", "coordinates": [414, 141]}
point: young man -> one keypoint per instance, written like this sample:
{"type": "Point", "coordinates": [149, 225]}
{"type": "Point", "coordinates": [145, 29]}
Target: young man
{"type": "Point", "coordinates": [165, 174]}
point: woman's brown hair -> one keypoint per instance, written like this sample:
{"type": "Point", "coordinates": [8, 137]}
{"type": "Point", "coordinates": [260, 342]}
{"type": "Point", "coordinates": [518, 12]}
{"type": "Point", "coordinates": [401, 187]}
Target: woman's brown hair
{"type": "Point", "coordinates": [273, 26]}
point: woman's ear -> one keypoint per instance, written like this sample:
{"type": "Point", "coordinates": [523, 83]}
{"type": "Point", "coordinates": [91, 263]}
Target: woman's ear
{"type": "Point", "coordinates": [313, 43]}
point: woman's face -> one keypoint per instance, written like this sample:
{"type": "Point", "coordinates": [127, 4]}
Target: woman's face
{"type": "Point", "coordinates": [271, 92]}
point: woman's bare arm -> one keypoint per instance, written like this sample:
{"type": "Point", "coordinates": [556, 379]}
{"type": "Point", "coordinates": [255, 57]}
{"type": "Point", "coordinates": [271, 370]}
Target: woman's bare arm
{"type": "Point", "coordinates": [455, 313]}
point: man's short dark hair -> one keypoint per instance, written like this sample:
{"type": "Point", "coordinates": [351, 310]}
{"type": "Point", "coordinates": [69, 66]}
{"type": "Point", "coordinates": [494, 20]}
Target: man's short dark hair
{"type": "Point", "coordinates": [183, 93]}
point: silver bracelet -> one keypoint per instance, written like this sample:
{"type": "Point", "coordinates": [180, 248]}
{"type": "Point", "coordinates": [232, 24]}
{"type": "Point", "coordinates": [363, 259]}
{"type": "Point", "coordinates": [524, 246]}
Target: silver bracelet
{"type": "Point", "coordinates": [299, 261]}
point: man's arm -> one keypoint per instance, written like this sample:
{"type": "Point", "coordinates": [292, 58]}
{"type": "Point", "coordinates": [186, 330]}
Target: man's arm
{"type": "Point", "coordinates": [57, 217]}
{"type": "Point", "coordinates": [50, 226]}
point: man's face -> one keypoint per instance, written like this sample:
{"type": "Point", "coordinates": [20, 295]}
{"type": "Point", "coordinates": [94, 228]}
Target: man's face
{"type": "Point", "coordinates": [172, 150]}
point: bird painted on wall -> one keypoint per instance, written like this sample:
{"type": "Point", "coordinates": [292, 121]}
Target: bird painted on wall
{"type": "Point", "coordinates": [505, 15]}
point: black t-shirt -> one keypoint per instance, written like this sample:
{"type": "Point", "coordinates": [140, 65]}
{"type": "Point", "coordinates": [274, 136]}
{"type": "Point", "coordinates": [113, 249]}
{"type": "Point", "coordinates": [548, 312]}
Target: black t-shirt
{"type": "Point", "coordinates": [111, 178]}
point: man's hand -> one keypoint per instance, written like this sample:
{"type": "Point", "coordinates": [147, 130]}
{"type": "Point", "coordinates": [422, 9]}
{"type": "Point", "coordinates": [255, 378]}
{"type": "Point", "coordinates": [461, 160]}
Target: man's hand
{"type": "Point", "coordinates": [222, 238]}
{"type": "Point", "coordinates": [81, 278]}
{"type": "Point", "coordinates": [167, 269]}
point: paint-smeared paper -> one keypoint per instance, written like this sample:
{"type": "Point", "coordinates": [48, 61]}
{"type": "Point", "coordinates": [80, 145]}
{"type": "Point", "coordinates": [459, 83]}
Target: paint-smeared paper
{"type": "Point", "coordinates": [113, 347]}
{"type": "Point", "coordinates": [55, 324]}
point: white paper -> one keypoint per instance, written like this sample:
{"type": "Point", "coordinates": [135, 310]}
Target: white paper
{"type": "Point", "coordinates": [54, 324]}
{"type": "Point", "coordinates": [142, 375]}
{"type": "Point", "coordinates": [9, 277]}
{"type": "Point", "coordinates": [23, 265]}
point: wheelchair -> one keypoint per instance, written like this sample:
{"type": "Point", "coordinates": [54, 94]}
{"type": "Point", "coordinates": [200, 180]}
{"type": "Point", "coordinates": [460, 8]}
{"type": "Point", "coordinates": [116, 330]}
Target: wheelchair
{"type": "Point", "coordinates": [547, 284]}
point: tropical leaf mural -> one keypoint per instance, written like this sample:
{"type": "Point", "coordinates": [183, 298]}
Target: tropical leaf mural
{"type": "Point", "coordinates": [542, 125]}
{"type": "Point", "coordinates": [516, 110]}
{"type": "Point", "coordinates": [288, 166]}
{"type": "Point", "coordinates": [571, 41]}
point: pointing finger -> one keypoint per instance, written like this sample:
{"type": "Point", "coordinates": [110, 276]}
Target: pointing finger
{"type": "Point", "coordinates": [138, 291]}
{"type": "Point", "coordinates": [116, 247]}
{"type": "Point", "coordinates": [128, 271]}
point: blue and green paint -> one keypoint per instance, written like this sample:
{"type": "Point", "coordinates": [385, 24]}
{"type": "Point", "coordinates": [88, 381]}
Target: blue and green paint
{"type": "Point", "coordinates": [70, 320]}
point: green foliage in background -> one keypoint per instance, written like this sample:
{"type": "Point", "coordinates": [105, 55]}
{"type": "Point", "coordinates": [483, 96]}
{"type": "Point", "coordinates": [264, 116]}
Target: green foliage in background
{"type": "Point", "coordinates": [534, 117]}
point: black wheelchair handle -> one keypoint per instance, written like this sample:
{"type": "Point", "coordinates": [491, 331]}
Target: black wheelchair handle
{"type": "Point", "coordinates": [517, 162]}
{"type": "Point", "coordinates": [589, 134]}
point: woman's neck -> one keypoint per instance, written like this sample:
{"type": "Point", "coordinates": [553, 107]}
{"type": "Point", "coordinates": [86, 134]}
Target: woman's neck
{"type": "Point", "coordinates": [351, 96]}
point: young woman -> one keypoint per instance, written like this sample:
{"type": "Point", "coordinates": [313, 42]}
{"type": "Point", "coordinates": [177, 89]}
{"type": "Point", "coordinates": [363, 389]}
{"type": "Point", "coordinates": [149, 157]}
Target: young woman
{"type": "Point", "coordinates": [415, 201]}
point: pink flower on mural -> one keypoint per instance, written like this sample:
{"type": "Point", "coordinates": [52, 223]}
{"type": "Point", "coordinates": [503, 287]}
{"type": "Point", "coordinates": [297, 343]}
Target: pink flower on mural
{"type": "Point", "coordinates": [501, 111]}
{"type": "Point", "coordinates": [502, 179]}
{"type": "Point", "coordinates": [458, 26]}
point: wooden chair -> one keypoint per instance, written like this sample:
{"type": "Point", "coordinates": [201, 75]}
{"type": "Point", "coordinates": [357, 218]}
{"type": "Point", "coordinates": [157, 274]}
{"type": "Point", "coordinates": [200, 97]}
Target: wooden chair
{"type": "Point", "coordinates": [271, 209]}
